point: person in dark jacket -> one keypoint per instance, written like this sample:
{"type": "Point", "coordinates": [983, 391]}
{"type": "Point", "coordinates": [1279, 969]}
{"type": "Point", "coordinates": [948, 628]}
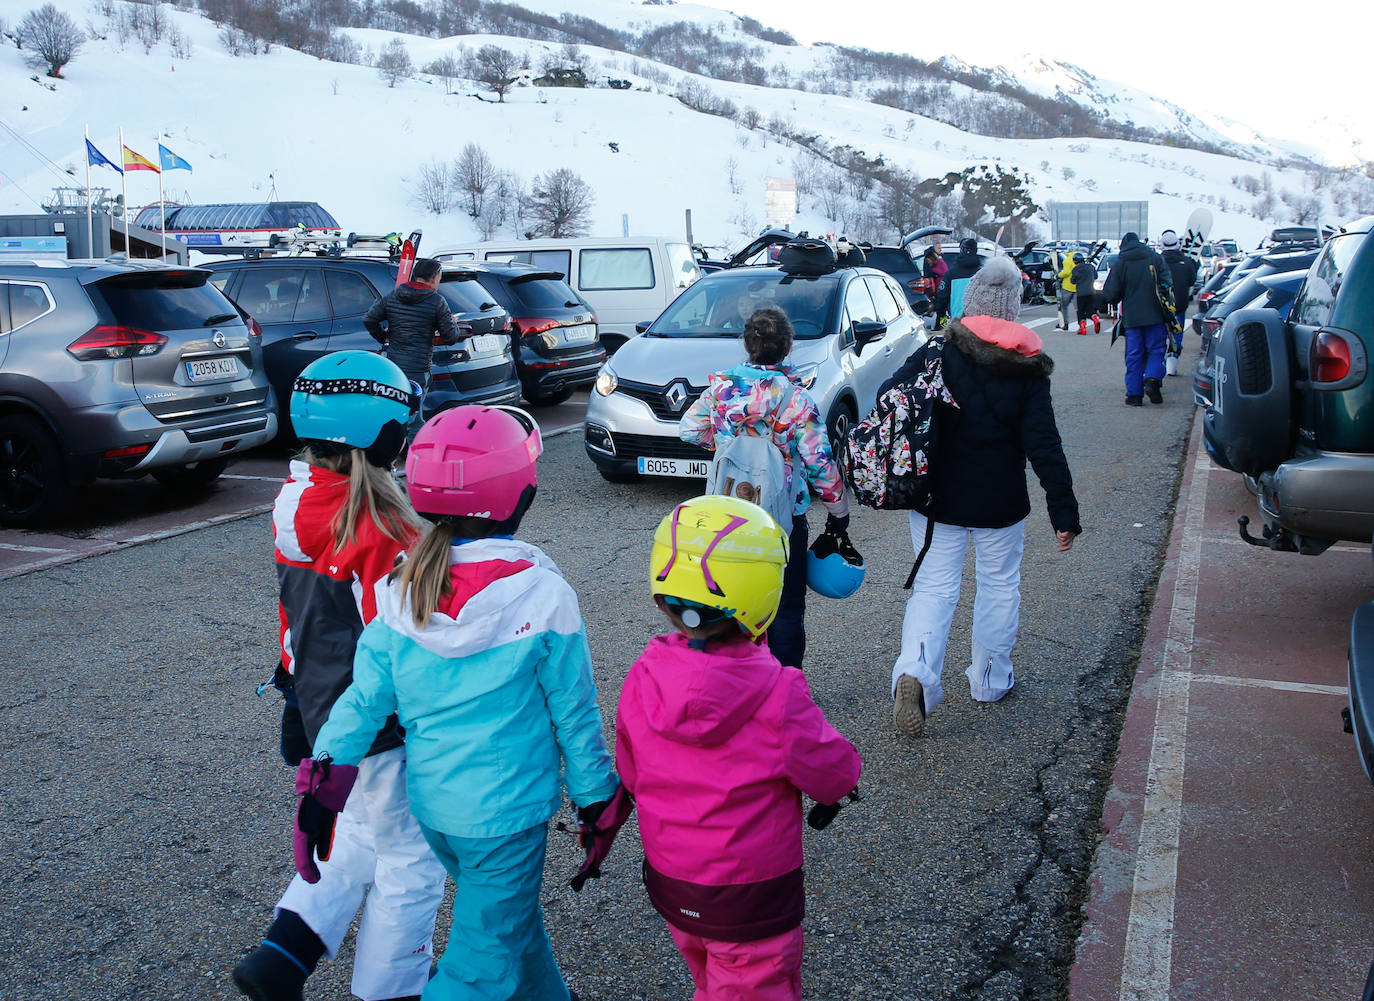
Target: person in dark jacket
{"type": "Point", "coordinates": [1085, 285]}
{"type": "Point", "coordinates": [1183, 272]}
{"type": "Point", "coordinates": [933, 267]}
{"type": "Point", "coordinates": [999, 378]}
{"type": "Point", "coordinates": [965, 265]}
{"type": "Point", "coordinates": [1135, 282]}
{"type": "Point", "coordinates": [414, 314]}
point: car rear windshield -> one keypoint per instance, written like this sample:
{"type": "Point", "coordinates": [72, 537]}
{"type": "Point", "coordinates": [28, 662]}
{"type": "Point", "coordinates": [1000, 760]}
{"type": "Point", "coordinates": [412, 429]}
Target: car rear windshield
{"type": "Point", "coordinates": [465, 296]}
{"type": "Point", "coordinates": [176, 300]}
{"type": "Point", "coordinates": [718, 305]}
{"type": "Point", "coordinates": [545, 294]}
{"type": "Point", "coordinates": [894, 262]}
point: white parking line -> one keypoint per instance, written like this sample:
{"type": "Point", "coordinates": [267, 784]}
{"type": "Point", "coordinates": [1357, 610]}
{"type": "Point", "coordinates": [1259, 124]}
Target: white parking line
{"type": "Point", "coordinates": [1147, 961]}
{"type": "Point", "coordinates": [1271, 685]}
{"type": "Point", "coordinates": [1042, 321]}
{"type": "Point", "coordinates": [563, 430]}
{"type": "Point", "coordinates": [243, 476]}
{"type": "Point", "coordinates": [16, 547]}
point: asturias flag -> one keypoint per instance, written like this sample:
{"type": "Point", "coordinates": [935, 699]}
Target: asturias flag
{"type": "Point", "coordinates": [132, 161]}
{"type": "Point", "coordinates": [170, 161]}
{"type": "Point", "coordinates": [97, 159]}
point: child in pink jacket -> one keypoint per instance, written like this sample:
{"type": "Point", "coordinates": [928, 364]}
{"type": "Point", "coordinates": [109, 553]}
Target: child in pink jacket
{"type": "Point", "coordinates": [717, 741]}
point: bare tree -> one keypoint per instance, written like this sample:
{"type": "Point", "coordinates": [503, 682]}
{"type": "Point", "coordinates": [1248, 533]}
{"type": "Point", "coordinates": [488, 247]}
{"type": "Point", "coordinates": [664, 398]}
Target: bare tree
{"type": "Point", "coordinates": [473, 174]}
{"type": "Point", "coordinates": [560, 203]}
{"type": "Point", "coordinates": [432, 190]}
{"type": "Point", "coordinates": [446, 68]}
{"type": "Point", "coordinates": [54, 37]}
{"type": "Point", "coordinates": [393, 64]}
{"type": "Point", "coordinates": [494, 66]}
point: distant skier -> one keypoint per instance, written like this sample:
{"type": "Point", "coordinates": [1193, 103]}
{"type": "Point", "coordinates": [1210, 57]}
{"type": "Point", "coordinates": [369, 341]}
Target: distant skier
{"type": "Point", "coordinates": [1139, 280]}
{"type": "Point", "coordinates": [1183, 270]}
{"type": "Point", "coordinates": [1084, 278]}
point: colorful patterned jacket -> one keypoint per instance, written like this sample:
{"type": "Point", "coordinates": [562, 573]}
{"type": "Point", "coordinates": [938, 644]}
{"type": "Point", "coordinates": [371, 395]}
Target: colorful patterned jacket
{"type": "Point", "coordinates": [767, 400]}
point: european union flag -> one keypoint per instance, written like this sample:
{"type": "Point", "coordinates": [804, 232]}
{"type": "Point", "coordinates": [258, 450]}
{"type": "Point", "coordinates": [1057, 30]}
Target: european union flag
{"type": "Point", "coordinates": [98, 159]}
{"type": "Point", "coordinates": [170, 161]}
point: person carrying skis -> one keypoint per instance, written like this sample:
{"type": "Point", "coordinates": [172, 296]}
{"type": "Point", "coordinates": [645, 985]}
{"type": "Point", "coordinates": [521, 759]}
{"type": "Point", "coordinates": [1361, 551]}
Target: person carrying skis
{"type": "Point", "coordinates": [965, 266]}
{"type": "Point", "coordinates": [762, 397]}
{"type": "Point", "coordinates": [1139, 280]}
{"type": "Point", "coordinates": [717, 741]}
{"type": "Point", "coordinates": [339, 523]}
{"type": "Point", "coordinates": [1084, 277]}
{"type": "Point", "coordinates": [406, 322]}
{"type": "Point", "coordinates": [1067, 287]}
{"type": "Point", "coordinates": [1183, 273]}
{"type": "Point", "coordinates": [480, 652]}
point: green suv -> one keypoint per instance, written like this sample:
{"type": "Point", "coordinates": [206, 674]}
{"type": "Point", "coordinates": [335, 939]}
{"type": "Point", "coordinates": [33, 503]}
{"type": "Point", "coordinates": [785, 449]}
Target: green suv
{"type": "Point", "coordinates": [1294, 407]}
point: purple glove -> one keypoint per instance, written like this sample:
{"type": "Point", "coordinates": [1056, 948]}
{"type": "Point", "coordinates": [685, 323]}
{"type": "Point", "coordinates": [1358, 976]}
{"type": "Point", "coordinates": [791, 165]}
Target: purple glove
{"type": "Point", "coordinates": [597, 825]}
{"type": "Point", "coordinates": [323, 788]}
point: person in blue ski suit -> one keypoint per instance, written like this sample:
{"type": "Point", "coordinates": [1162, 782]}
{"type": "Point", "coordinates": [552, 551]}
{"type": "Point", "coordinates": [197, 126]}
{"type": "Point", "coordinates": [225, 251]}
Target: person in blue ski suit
{"type": "Point", "coordinates": [1138, 280]}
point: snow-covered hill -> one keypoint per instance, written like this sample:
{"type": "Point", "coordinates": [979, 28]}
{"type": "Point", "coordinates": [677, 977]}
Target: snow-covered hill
{"type": "Point", "coordinates": [336, 133]}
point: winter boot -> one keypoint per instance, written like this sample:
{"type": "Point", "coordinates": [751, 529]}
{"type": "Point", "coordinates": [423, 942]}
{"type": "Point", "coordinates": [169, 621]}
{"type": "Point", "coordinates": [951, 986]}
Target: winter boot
{"type": "Point", "coordinates": [277, 969]}
{"type": "Point", "coordinates": [1082, 328]}
{"type": "Point", "coordinates": [1134, 401]}
{"type": "Point", "coordinates": [1097, 324]}
{"type": "Point", "coordinates": [909, 707]}
{"type": "Point", "coordinates": [1152, 391]}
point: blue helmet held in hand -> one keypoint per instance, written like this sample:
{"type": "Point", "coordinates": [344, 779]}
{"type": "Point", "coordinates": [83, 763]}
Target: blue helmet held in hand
{"type": "Point", "coordinates": [834, 567]}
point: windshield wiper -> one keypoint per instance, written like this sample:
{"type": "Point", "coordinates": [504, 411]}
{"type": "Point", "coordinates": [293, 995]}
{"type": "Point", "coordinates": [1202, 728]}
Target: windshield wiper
{"type": "Point", "coordinates": [220, 318]}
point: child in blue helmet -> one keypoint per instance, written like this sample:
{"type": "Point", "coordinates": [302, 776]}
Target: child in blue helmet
{"type": "Point", "coordinates": [340, 522]}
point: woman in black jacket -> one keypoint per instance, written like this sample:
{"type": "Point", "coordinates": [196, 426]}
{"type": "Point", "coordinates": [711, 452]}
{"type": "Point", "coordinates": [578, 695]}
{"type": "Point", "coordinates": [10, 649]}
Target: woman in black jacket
{"type": "Point", "coordinates": [999, 379]}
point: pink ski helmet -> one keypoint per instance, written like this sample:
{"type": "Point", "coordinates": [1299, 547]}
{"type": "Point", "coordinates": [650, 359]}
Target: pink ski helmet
{"type": "Point", "coordinates": [476, 462]}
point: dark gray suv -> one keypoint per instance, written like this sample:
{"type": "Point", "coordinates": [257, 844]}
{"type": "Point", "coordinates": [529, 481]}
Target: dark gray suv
{"type": "Point", "coordinates": [120, 368]}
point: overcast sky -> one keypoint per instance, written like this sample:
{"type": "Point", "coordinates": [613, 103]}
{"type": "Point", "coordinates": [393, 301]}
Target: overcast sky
{"type": "Point", "coordinates": [1273, 64]}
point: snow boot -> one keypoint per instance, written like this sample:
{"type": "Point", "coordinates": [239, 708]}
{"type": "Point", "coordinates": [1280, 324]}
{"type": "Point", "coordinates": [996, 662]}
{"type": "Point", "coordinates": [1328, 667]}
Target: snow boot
{"type": "Point", "coordinates": [1152, 391]}
{"type": "Point", "coordinates": [1082, 327]}
{"type": "Point", "coordinates": [277, 969]}
{"type": "Point", "coordinates": [1097, 324]}
{"type": "Point", "coordinates": [1134, 401]}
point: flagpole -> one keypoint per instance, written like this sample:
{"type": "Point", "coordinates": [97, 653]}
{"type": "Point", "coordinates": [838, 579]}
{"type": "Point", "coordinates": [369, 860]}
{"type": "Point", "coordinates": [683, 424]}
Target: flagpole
{"type": "Point", "coordinates": [161, 200]}
{"type": "Point", "coordinates": [90, 237]}
{"type": "Point", "coordinates": [124, 191]}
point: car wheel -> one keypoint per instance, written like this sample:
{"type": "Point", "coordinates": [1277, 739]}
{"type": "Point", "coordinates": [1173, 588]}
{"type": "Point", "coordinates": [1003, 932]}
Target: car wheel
{"type": "Point", "coordinates": [615, 476]}
{"type": "Point", "coordinates": [33, 482]}
{"type": "Point", "coordinates": [550, 399]}
{"type": "Point", "coordinates": [837, 427]}
{"type": "Point", "coordinates": [191, 477]}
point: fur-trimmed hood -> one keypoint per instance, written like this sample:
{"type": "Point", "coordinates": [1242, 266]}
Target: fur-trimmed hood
{"type": "Point", "coordinates": [1000, 360]}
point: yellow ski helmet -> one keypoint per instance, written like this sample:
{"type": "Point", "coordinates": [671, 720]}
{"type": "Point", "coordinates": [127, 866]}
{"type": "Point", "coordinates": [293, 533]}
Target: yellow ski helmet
{"type": "Point", "coordinates": [723, 553]}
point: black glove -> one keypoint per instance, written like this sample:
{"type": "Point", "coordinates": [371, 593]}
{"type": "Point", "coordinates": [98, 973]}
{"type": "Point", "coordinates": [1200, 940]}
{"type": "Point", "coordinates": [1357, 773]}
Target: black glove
{"type": "Point", "coordinates": [587, 816]}
{"type": "Point", "coordinates": [821, 814]}
{"type": "Point", "coordinates": [836, 526]}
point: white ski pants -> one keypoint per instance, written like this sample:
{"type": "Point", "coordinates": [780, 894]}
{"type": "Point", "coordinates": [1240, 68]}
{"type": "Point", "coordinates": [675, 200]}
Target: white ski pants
{"type": "Point", "coordinates": [935, 593]}
{"type": "Point", "coordinates": [377, 844]}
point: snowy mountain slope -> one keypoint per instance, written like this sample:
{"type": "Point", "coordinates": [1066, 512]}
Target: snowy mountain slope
{"type": "Point", "coordinates": [337, 134]}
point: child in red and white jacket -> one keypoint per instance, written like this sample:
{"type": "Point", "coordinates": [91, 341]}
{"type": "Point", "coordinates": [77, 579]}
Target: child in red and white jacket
{"type": "Point", "coordinates": [717, 741]}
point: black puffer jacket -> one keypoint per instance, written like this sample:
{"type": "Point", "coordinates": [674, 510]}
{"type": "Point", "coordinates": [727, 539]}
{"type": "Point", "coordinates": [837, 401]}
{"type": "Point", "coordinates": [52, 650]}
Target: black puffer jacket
{"type": "Point", "coordinates": [413, 315]}
{"type": "Point", "coordinates": [1004, 417]}
{"type": "Point", "coordinates": [1184, 271]}
{"type": "Point", "coordinates": [1132, 282]}
{"type": "Point", "coordinates": [965, 265]}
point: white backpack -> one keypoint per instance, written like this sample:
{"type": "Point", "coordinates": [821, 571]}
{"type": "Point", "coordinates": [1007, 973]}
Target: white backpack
{"type": "Point", "coordinates": [751, 468]}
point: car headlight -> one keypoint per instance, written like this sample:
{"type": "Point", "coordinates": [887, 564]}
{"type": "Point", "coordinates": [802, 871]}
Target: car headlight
{"type": "Point", "coordinates": [806, 375]}
{"type": "Point", "coordinates": [606, 380]}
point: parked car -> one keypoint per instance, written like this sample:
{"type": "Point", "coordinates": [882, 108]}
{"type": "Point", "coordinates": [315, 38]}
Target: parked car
{"type": "Point", "coordinates": [900, 263]}
{"type": "Point", "coordinates": [312, 306]}
{"type": "Point", "coordinates": [853, 328]}
{"type": "Point", "coordinates": [553, 329]}
{"type": "Point", "coordinates": [1292, 401]}
{"type": "Point", "coordinates": [756, 251]}
{"type": "Point", "coordinates": [120, 368]}
{"type": "Point", "coordinates": [626, 280]}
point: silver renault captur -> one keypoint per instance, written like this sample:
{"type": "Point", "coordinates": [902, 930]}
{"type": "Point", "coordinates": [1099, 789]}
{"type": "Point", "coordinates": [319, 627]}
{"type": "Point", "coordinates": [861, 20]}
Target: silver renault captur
{"type": "Point", "coordinates": [853, 329]}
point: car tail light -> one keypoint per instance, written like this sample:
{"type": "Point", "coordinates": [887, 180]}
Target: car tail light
{"type": "Point", "coordinates": [529, 326]}
{"type": "Point", "coordinates": [254, 328]}
{"type": "Point", "coordinates": [126, 453]}
{"type": "Point", "coordinates": [1328, 360]}
{"type": "Point", "coordinates": [1025, 277]}
{"type": "Point", "coordinates": [1211, 325]}
{"type": "Point", "coordinates": [1205, 297]}
{"type": "Point", "coordinates": [920, 285]}
{"type": "Point", "coordinates": [116, 341]}
{"type": "Point", "coordinates": [464, 330]}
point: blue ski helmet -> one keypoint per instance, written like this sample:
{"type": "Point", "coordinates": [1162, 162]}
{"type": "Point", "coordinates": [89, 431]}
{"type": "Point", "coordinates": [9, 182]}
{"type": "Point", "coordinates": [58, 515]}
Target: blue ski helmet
{"type": "Point", "coordinates": [354, 399]}
{"type": "Point", "coordinates": [834, 567]}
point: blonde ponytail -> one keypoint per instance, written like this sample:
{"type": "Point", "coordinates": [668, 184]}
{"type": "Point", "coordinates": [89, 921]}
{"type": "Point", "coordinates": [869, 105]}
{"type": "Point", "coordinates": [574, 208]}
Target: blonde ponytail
{"type": "Point", "coordinates": [372, 494]}
{"type": "Point", "coordinates": [425, 573]}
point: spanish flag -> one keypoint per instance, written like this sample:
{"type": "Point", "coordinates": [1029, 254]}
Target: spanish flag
{"type": "Point", "coordinates": [132, 161]}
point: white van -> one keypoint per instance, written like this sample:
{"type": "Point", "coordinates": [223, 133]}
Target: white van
{"type": "Point", "coordinates": [627, 280]}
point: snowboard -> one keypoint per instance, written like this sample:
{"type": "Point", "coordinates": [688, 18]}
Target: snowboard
{"type": "Point", "coordinates": [408, 252]}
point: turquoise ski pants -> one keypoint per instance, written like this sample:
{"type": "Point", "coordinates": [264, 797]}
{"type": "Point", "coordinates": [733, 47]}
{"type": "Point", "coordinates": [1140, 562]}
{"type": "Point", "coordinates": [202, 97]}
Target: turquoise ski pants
{"type": "Point", "coordinates": [498, 949]}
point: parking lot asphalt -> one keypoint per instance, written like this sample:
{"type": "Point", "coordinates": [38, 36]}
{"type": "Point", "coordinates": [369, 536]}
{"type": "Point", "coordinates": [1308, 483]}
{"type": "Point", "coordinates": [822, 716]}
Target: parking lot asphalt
{"type": "Point", "coordinates": [1239, 827]}
{"type": "Point", "coordinates": [151, 812]}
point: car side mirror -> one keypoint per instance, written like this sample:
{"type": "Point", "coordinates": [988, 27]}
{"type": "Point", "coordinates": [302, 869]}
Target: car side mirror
{"type": "Point", "coordinates": [643, 325]}
{"type": "Point", "coordinates": [867, 331]}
